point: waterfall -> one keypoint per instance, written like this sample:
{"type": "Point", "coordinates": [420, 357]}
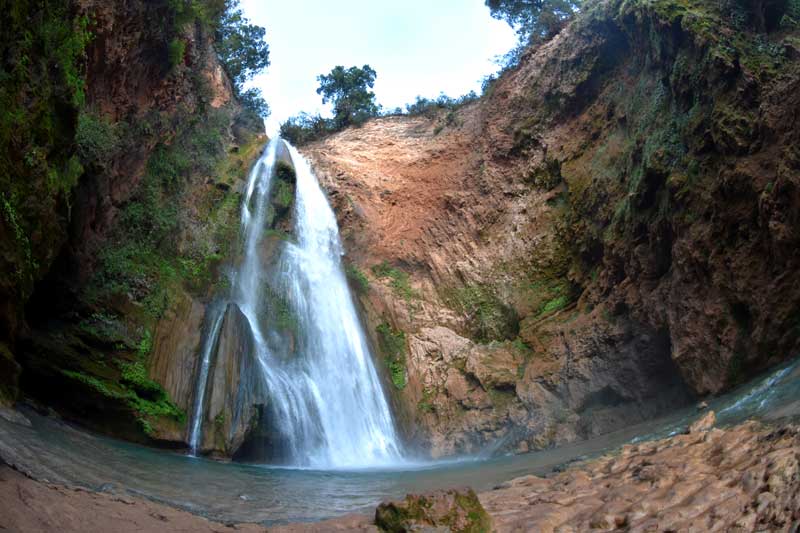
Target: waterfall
{"type": "Point", "coordinates": [202, 381]}
{"type": "Point", "coordinates": [324, 400]}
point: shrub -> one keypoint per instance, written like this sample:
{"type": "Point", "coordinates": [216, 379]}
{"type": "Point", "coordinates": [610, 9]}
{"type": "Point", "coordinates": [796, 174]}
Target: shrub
{"type": "Point", "coordinates": [304, 128]}
{"type": "Point", "coordinates": [399, 280]}
{"type": "Point", "coordinates": [358, 278]}
{"type": "Point", "coordinates": [97, 139]}
{"type": "Point", "coordinates": [177, 51]}
{"type": "Point", "coordinates": [393, 346]}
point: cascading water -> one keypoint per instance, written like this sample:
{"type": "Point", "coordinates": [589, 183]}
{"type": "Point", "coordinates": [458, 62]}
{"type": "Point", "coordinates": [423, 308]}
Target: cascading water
{"type": "Point", "coordinates": [325, 403]}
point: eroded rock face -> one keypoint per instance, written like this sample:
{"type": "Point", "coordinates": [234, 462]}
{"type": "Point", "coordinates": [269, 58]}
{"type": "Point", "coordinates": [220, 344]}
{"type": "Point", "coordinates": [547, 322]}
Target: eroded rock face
{"type": "Point", "coordinates": [617, 218]}
{"type": "Point", "coordinates": [176, 345]}
{"type": "Point", "coordinates": [742, 479]}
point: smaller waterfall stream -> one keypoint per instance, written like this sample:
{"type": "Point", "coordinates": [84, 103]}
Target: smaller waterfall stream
{"type": "Point", "coordinates": [209, 344]}
{"type": "Point", "coordinates": [325, 405]}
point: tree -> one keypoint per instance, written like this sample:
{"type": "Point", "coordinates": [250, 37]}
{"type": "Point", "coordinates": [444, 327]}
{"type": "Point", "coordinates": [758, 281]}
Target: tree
{"type": "Point", "coordinates": [253, 100]}
{"type": "Point", "coordinates": [304, 128]}
{"type": "Point", "coordinates": [349, 92]}
{"type": "Point", "coordinates": [241, 46]}
{"type": "Point", "coordinates": [534, 20]}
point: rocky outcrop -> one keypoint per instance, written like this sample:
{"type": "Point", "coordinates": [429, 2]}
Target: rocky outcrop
{"type": "Point", "coordinates": [746, 478]}
{"type": "Point", "coordinates": [615, 218]}
{"type": "Point", "coordinates": [234, 387]}
{"type": "Point", "coordinates": [456, 510]}
{"type": "Point", "coordinates": [176, 344]}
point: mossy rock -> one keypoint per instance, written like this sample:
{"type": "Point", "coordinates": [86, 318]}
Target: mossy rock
{"type": "Point", "coordinates": [459, 510]}
{"type": "Point", "coordinates": [281, 197]}
{"type": "Point", "coordinates": [392, 344]}
{"type": "Point", "coordinates": [107, 390]}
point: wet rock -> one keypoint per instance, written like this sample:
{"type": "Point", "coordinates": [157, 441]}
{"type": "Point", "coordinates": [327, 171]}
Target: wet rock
{"type": "Point", "coordinates": [176, 343]}
{"type": "Point", "coordinates": [632, 295]}
{"type": "Point", "coordinates": [457, 510]}
{"type": "Point", "coordinates": [704, 424]}
{"type": "Point", "coordinates": [745, 478]}
{"type": "Point", "coordinates": [233, 394]}
{"type": "Point", "coordinates": [14, 416]}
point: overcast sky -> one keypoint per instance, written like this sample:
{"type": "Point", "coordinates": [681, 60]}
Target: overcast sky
{"type": "Point", "coordinates": [417, 47]}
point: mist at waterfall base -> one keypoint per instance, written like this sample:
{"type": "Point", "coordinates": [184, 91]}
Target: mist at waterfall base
{"type": "Point", "coordinates": [236, 492]}
{"type": "Point", "coordinates": [324, 401]}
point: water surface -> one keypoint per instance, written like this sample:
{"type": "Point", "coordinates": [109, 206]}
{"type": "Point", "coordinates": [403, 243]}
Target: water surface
{"type": "Point", "coordinates": [56, 451]}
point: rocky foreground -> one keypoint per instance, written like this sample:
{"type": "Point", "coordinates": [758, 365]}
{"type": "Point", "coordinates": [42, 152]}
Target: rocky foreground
{"type": "Point", "coordinates": [745, 478]}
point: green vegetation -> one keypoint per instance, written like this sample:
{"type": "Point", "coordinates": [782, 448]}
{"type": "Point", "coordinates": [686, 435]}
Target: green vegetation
{"type": "Point", "coordinates": [240, 45]}
{"type": "Point", "coordinates": [534, 20]}
{"type": "Point", "coordinates": [143, 258]}
{"type": "Point", "coordinates": [349, 92]}
{"type": "Point", "coordinates": [97, 138]}
{"type": "Point", "coordinates": [501, 398]}
{"type": "Point", "coordinates": [416, 512]}
{"type": "Point", "coordinates": [392, 344]}
{"type": "Point", "coordinates": [399, 281]}
{"type": "Point", "coordinates": [41, 91]}
{"type": "Point", "coordinates": [357, 278]}
{"type": "Point", "coordinates": [282, 194]}
{"type": "Point", "coordinates": [280, 311]}
{"type": "Point", "coordinates": [425, 405]}
{"type": "Point", "coordinates": [134, 389]}
{"type": "Point", "coordinates": [488, 318]}
{"type": "Point", "coordinates": [177, 51]}
{"type": "Point", "coordinates": [353, 103]}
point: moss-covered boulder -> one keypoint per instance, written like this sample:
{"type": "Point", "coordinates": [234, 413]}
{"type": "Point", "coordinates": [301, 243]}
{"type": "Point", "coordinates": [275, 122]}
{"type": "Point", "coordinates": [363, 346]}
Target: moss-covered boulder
{"type": "Point", "coordinates": [459, 510]}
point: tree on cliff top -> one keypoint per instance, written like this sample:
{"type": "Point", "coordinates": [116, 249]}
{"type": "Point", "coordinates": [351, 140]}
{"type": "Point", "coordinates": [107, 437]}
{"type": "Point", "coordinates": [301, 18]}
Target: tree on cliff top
{"type": "Point", "coordinates": [349, 92]}
{"type": "Point", "coordinates": [241, 46]}
{"type": "Point", "coordinates": [534, 20]}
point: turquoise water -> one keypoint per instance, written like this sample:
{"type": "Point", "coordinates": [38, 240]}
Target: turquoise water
{"type": "Point", "coordinates": [56, 451]}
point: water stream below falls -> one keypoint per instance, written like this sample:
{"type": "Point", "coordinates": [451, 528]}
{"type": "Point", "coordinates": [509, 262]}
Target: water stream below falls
{"type": "Point", "coordinates": [56, 451]}
{"type": "Point", "coordinates": [324, 401]}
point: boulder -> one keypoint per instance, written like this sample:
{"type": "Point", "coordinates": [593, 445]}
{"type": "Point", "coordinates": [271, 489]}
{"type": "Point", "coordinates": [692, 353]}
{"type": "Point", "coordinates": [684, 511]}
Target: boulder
{"type": "Point", "coordinates": [234, 395]}
{"type": "Point", "coordinates": [705, 423]}
{"type": "Point", "coordinates": [457, 510]}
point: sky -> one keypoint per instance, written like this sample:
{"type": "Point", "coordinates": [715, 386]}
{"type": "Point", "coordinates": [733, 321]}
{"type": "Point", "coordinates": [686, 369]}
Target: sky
{"type": "Point", "coordinates": [417, 47]}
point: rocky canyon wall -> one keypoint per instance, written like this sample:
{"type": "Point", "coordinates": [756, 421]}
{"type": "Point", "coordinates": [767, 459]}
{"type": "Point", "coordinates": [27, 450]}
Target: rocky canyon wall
{"type": "Point", "coordinates": [610, 232]}
{"type": "Point", "coordinates": [103, 320]}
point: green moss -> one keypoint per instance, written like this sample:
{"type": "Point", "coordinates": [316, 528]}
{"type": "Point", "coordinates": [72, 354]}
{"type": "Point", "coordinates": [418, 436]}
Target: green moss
{"type": "Point", "coordinates": [501, 398]}
{"type": "Point", "coordinates": [464, 515]}
{"type": "Point", "coordinates": [488, 317]}
{"type": "Point", "coordinates": [425, 405]}
{"type": "Point", "coordinates": [398, 280]}
{"type": "Point", "coordinates": [285, 172]}
{"type": "Point", "coordinates": [282, 195]}
{"type": "Point", "coordinates": [176, 52]}
{"type": "Point", "coordinates": [281, 313]}
{"type": "Point", "coordinates": [556, 304]}
{"type": "Point", "coordinates": [392, 344]}
{"type": "Point", "coordinates": [93, 383]}
{"type": "Point", "coordinates": [97, 138]}
{"type": "Point", "coordinates": [357, 278]}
